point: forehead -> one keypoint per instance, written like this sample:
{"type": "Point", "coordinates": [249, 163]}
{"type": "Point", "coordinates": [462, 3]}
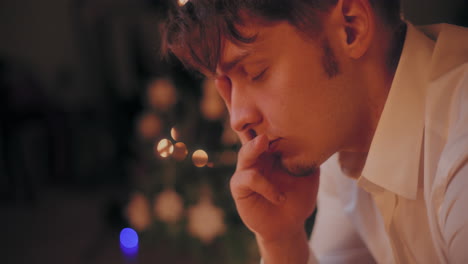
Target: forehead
{"type": "Point", "coordinates": [233, 52]}
{"type": "Point", "coordinates": [271, 41]}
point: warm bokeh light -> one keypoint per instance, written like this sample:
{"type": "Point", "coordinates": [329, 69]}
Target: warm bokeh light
{"type": "Point", "coordinates": [174, 134]}
{"type": "Point", "coordinates": [211, 105]}
{"type": "Point", "coordinates": [138, 211]}
{"type": "Point", "coordinates": [149, 126]}
{"type": "Point", "coordinates": [162, 94]}
{"type": "Point", "coordinates": [168, 206]}
{"type": "Point", "coordinates": [165, 148]}
{"type": "Point", "coordinates": [182, 2]}
{"type": "Point", "coordinates": [206, 221]}
{"type": "Point", "coordinates": [200, 158]}
{"type": "Point", "coordinates": [180, 151]}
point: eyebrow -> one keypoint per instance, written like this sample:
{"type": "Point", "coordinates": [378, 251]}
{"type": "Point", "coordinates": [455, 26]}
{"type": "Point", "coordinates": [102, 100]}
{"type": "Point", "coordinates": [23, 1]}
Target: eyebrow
{"type": "Point", "coordinates": [229, 65]}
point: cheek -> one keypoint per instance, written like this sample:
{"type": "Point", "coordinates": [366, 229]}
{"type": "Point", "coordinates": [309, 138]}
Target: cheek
{"type": "Point", "coordinates": [305, 114]}
{"type": "Point", "coordinates": [284, 109]}
{"type": "Point", "coordinates": [297, 95]}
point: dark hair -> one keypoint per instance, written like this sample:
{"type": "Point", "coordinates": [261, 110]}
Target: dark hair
{"type": "Point", "coordinates": [195, 31]}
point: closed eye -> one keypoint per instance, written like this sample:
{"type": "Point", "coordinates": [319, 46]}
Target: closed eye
{"type": "Point", "coordinates": [260, 75]}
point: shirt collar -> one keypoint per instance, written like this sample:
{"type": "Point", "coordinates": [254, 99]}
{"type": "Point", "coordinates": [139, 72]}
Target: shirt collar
{"type": "Point", "coordinates": [394, 157]}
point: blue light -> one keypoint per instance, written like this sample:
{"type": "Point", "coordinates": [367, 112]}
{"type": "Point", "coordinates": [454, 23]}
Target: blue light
{"type": "Point", "coordinates": [128, 238]}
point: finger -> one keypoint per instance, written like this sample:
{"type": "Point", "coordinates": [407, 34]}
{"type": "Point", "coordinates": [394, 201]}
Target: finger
{"type": "Point", "coordinates": [250, 152]}
{"type": "Point", "coordinates": [244, 138]}
{"type": "Point", "coordinates": [249, 182]}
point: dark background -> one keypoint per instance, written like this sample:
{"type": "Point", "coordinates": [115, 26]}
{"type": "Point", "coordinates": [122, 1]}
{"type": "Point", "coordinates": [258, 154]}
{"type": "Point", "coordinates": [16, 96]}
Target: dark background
{"type": "Point", "coordinates": [72, 76]}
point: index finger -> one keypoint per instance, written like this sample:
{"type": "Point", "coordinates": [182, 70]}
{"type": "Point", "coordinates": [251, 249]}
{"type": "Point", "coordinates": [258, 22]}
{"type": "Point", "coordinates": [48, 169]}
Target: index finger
{"type": "Point", "coordinates": [251, 151]}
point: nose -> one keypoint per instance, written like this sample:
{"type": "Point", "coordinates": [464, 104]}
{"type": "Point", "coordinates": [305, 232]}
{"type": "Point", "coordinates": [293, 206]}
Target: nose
{"type": "Point", "coordinates": [245, 116]}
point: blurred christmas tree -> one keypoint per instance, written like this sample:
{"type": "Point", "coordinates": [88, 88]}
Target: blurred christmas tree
{"type": "Point", "coordinates": [185, 155]}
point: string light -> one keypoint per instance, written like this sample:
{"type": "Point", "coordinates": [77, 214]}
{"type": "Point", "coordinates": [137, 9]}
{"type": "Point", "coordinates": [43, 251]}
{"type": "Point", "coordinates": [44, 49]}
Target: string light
{"type": "Point", "coordinates": [200, 158]}
{"type": "Point", "coordinates": [165, 148]}
{"type": "Point", "coordinates": [174, 134]}
{"type": "Point", "coordinates": [180, 151]}
{"type": "Point", "coordinates": [182, 2]}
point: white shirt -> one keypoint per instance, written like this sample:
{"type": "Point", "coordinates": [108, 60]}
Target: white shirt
{"type": "Point", "coordinates": [411, 203]}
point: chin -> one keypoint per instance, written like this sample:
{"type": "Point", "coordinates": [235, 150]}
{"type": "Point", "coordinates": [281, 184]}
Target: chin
{"type": "Point", "coordinates": [299, 168]}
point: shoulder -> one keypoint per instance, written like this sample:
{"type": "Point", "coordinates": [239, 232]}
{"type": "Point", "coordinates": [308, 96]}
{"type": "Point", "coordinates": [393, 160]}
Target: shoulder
{"type": "Point", "coordinates": [450, 48]}
{"type": "Point", "coordinates": [447, 92]}
{"type": "Point", "coordinates": [446, 105]}
{"type": "Point", "coordinates": [446, 132]}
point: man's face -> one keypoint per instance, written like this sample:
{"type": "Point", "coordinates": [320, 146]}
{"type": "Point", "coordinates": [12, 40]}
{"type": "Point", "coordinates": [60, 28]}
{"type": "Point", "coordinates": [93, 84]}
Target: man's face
{"type": "Point", "coordinates": [294, 90]}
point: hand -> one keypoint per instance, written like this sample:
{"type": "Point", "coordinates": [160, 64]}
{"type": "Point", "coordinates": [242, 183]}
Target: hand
{"type": "Point", "coordinates": [272, 204]}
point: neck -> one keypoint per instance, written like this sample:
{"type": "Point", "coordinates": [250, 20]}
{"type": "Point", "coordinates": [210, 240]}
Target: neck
{"type": "Point", "coordinates": [383, 70]}
{"type": "Point", "coordinates": [378, 78]}
{"type": "Point", "coordinates": [396, 47]}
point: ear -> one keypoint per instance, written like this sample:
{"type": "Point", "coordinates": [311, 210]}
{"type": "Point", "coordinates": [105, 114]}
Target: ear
{"type": "Point", "coordinates": [356, 24]}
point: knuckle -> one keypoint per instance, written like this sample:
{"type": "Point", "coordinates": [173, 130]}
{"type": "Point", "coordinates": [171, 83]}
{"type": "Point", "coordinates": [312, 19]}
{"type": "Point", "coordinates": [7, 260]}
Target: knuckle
{"type": "Point", "coordinates": [243, 151]}
{"type": "Point", "coordinates": [233, 182]}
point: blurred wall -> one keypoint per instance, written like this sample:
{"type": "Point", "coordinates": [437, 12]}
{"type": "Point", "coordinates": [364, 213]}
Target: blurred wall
{"type": "Point", "coordinates": [59, 40]}
{"type": "Point", "coordinates": [75, 71]}
{"type": "Point", "coordinates": [40, 34]}
{"type": "Point", "coordinates": [422, 12]}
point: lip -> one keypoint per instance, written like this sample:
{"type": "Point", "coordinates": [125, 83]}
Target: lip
{"type": "Point", "coordinates": [273, 145]}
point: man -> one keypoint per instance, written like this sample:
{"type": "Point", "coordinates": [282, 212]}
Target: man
{"type": "Point", "coordinates": [345, 86]}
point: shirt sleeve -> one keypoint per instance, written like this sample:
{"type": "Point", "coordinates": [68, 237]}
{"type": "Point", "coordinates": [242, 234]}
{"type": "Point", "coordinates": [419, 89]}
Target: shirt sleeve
{"type": "Point", "coordinates": [334, 238]}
